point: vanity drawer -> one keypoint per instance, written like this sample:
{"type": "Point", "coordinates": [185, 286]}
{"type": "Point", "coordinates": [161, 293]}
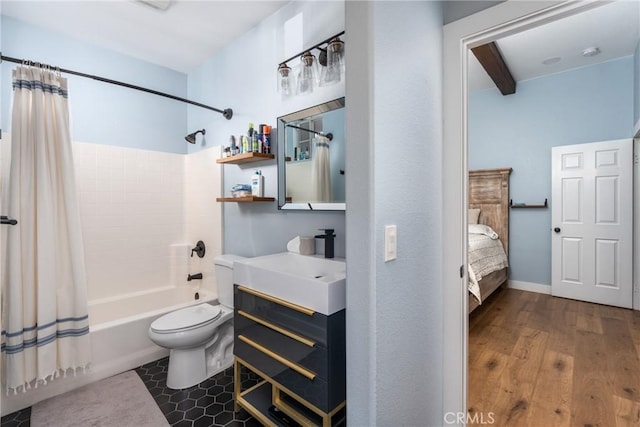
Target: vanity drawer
{"type": "Point", "coordinates": [294, 348]}
{"type": "Point", "coordinates": [315, 326]}
{"type": "Point", "coordinates": [325, 395]}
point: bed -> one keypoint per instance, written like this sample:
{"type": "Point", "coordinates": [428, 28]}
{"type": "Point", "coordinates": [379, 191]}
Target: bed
{"type": "Point", "coordinates": [489, 192]}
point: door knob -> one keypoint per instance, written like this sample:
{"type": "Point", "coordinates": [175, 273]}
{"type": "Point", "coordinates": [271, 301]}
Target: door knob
{"type": "Point", "coordinates": [557, 229]}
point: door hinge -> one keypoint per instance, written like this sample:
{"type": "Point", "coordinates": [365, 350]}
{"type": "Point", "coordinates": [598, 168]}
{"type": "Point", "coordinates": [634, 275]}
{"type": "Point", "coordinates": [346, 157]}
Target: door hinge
{"type": "Point", "coordinates": [461, 271]}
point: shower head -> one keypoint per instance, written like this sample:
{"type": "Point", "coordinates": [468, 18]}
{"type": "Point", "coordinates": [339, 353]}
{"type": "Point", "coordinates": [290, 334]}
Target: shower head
{"type": "Point", "coordinates": [191, 138]}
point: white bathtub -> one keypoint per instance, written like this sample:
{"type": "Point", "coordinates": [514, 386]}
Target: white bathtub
{"type": "Point", "coordinates": [119, 339]}
{"type": "Point", "coordinates": [111, 312]}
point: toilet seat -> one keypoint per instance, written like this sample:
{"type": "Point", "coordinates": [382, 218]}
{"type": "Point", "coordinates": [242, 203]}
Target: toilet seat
{"type": "Point", "coordinates": [186, 318]}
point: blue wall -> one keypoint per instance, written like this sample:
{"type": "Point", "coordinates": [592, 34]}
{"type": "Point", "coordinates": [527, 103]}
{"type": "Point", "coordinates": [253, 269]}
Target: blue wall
{"type": "Point", "coordinates": [242, 76]}
{"type": "Point", "coordinates": [636, 85]}
{"type": "Point", "coordinates": [394, 176]}
{"type": "Point", "coordinates": [458, 9]}
{"type": "Point", "coordinates": [584, 105]}
{"type": "Point", "coordinates": [102, 113]}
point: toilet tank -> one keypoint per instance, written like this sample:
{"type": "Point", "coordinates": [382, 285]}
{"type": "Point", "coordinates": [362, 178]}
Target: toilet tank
{"type": "Point", "coordinates": [224, 277]}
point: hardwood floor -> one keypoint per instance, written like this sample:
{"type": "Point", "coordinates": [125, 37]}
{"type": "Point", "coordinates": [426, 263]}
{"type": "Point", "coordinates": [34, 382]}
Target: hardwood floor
{"type": "Point", "coordinates": [537, 360]}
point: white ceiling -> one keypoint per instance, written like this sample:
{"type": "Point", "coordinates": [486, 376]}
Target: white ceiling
{"type": "Point", "coordinates": [181, 38]}
{"type": "Point", "coordinates": [613, 27]}
{"type": "Point", "coordinates": [191, 31]}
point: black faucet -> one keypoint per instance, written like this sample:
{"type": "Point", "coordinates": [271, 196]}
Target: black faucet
{"type": "Point", "coordinates": [194, 277]}
{"type": "Point", "coordinates": [328, 237]}
{"type": "Point", "coordinates": [199, 249]}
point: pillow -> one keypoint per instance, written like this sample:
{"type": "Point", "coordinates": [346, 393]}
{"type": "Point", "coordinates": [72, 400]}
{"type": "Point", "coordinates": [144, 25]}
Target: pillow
{"type": "Point", "coordinates": [482, 229]}
{"type": "Point", "coordinates": [473, 216]}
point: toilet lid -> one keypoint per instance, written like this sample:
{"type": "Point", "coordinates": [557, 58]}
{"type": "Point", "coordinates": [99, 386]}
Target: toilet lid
{"type": "Point", "coordinates": [188, 317]}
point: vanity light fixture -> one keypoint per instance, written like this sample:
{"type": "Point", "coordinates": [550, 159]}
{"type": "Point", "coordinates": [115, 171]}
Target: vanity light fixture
{"type": "Point", "coordinates": [286, 83]}
{"type": "Point", "coordinates": [331, 60]}
{"type": "Point", "coordinates": [308, 74]}
{"type": "Point", "coordinates": [334, 69]}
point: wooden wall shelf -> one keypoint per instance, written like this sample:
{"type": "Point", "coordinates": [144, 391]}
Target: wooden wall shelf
{"type": "Point", "coordinates": [248, 199]}
{"type": "Point", "coordinates": [239, 159]}
{"type": "Point", "coordinates": [526, 206]}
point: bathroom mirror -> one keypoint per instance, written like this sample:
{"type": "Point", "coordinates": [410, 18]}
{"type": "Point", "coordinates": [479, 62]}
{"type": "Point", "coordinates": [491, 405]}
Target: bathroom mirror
{"type": "Point", "coordinates": [311, 158]}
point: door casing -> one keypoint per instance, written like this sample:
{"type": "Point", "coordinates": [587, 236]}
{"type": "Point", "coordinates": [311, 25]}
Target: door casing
{"type": "Point", "coordinates": [459, 36]}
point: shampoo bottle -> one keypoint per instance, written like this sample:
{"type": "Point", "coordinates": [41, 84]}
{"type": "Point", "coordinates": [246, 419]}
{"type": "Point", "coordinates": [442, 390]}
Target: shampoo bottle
{"type": "Point", "coordinates": [257, 184]}
{"type": "Point", "coordinates": [245, 144]}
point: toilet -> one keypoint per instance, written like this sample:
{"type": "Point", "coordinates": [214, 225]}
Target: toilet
{"type": "Point", "coordinates": [199, 337]}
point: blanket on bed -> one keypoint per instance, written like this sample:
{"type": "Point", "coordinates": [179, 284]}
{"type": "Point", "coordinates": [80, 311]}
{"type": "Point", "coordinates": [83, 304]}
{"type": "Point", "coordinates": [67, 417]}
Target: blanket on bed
{"type": "Point", "coordinates": [486, 255]}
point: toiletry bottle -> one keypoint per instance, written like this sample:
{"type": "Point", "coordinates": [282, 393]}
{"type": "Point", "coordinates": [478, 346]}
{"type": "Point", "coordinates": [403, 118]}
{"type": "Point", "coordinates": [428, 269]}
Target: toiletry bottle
{"type": "Point", "coordinates": [251, 136]}
{"type": "Point", "coordinates": [261, 138]}
{"type": "Point", "coordinates": [233, 147]}
{"type": "Point", "coordinates": [267, 139]}
{"type": "Point", "coordinates": [257, 184]}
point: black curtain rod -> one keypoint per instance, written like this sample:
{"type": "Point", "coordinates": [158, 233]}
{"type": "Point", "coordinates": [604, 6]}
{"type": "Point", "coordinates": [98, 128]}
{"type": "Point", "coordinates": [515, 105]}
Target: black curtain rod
{"type": "Point", "coordinates": [313, 47]}
{"type": "Point", "coordinates": [328, 135]}
{"type": "Point", "coordinates": [227, 113]}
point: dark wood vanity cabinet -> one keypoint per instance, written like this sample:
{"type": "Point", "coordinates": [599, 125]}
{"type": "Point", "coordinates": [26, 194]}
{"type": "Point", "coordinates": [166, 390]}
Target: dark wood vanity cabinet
{"type": "Point", "coordinates": [300, 355]}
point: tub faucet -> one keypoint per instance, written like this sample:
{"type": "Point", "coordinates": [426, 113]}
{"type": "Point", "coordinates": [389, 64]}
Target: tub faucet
{"type": "Point", "coordinates": [197, 276]}
{"type": "Point", "coordinates": [328, 237]}
{"type": "Point", "coordinates": [199, 249]}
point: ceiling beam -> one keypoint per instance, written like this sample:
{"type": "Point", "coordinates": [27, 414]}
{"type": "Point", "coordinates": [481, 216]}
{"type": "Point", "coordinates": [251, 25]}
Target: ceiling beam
{"type": "Point", "coordinates": [491, 60]}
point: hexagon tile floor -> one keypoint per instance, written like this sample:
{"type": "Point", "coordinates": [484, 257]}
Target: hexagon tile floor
{"type": "Point", "coordinates": [210, 403]}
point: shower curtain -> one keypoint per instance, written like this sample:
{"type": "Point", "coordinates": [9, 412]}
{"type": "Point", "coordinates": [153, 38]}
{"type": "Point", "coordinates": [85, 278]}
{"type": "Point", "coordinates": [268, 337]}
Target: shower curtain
{"type": "Point", "coordinates": [321, 171]}
{"type": "Point", "coordinates": [45, 327]}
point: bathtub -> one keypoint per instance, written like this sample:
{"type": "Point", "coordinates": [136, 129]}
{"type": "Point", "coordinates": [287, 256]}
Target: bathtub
{"type": "Point", "coordinates": [119, 339]}
{"type": "Point", "coordinates": [107, 313]}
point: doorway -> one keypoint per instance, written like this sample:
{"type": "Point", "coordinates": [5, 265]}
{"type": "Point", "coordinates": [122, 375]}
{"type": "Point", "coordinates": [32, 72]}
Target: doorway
{"type": "Point", "coordinates": [503, 20]}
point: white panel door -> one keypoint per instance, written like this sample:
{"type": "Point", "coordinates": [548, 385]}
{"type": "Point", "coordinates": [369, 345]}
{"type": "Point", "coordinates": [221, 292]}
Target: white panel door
{"type": "Point", "coordinates": [592, 222]}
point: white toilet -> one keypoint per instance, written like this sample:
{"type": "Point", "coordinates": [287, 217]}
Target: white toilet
{"type": "Point", "coordinates": [200, 337]}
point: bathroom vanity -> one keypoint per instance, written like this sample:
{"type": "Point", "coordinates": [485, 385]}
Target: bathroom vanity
{"type": "Point", "coordinates": [298, 352]}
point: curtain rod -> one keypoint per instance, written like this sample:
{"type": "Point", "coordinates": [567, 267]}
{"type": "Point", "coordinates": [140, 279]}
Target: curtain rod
{"type": "Point", "coordinates": [328, 135]}
{"type": "Point", "coordinates": [227, 113]}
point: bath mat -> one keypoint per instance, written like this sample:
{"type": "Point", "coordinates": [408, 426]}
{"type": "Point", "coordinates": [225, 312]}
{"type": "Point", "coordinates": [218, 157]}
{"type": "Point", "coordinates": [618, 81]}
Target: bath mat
{"type": "Point", "coordinates": [119, 401]}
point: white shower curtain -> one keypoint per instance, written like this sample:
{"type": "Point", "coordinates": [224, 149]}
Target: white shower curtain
{"type": "Point", "coordinates": [45, 327]}
{"type": "Point", "coordinates": [321, 171]}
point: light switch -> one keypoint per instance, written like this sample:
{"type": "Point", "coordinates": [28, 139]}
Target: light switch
{"type": "Point", "coordinates": [390, 242]}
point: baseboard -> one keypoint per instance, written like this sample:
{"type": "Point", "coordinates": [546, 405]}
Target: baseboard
{"type": "Point", "coordinates": [531, 287]}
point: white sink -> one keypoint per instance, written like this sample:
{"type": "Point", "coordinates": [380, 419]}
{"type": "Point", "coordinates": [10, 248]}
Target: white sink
{"type": "Point", "coordinates": [310, 281]}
